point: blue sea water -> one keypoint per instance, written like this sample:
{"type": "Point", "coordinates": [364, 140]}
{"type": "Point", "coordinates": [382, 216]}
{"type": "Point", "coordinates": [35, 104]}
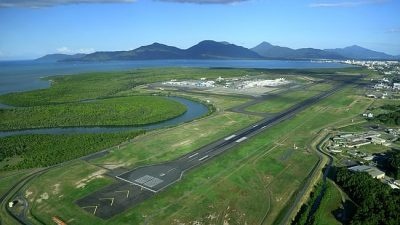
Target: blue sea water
{"type": "Point", "coordinates": [25, 75]}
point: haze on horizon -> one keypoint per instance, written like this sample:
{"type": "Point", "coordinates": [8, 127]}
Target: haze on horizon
{"type": "Point", "coordinates": [30, 29]}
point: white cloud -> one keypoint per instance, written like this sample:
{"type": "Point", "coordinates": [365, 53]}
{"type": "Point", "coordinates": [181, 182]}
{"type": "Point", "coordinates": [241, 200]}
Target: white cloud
{"type": "Point", "coordinates": [66, 50]}
{"type": "Point", "coordinates": [393, 30]}
{"type": "Point", "coordinates": [346, 3]}
{"type": "Point", "coordinates": [49, 3]}
{"type": "Point", "coordinates": [205, 1]}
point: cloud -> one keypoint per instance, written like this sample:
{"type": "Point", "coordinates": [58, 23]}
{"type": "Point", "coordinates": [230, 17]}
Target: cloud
{"type": "Point", "coordinates": [66, 50]}
{"type": "Point", "coordinates": [49, 3]}
{"type": "Point", "coordinates": [393, 30]}
{"type": "Point", "coordinates": [206, 1]}
{"type": "Point", "coordinates": [345, 3]}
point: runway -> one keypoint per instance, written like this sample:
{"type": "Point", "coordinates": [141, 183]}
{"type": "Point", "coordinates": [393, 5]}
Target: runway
{"type": "Point", "coordinates": [146, 181]}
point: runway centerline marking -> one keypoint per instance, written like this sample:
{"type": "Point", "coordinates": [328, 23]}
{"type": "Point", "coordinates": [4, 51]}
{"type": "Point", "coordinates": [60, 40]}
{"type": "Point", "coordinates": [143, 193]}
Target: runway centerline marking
{"type": "Point", "coordinates": [204, 157]}
{"type": "Point", "coordinates": [193, 155]}
{"type": "Point", "coordinates": [230, 137]}
{"type": "Point", "coordinates": [241, 139]}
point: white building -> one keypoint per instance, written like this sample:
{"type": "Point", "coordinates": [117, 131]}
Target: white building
{"type": "Point", "coordinates": [372, 171]}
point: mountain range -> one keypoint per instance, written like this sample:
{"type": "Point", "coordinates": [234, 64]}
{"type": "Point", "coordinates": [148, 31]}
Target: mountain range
{"type": "Point", "coordinates": [209, 49]}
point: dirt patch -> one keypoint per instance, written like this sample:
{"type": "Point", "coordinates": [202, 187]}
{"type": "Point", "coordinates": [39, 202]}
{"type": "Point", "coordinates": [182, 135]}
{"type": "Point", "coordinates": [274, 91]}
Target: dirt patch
{"type": "Point", "coordinates": [186, 142]}
{"type": "Point", "coordinates": [113, 166]}
{"type": "Point", "coordinates": [83, 182]}
{"type": "Point", "coordinates": [43, 196]}
{"type": "Point", "coordinates": [28, 193]}
{"type": "Point", "coordinates": [211, 217]}
{"type": "Point", "coordinates": [56, 188]}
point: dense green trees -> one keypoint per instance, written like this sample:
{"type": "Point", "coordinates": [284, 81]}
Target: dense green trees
{"type": "Point", "coordinates": [304, 216]}
{"type": "Point", "coordinates": [46, 150]}
{"type": "Point", "coordinates": [378, 203]}
{"type": "Point", "coordinates": [134, 110]}
{"type": "Point", "coordinates": [75, 88]}
{"type": "Point", "coordinates": [394, 163]}
{"type": "Point", "coordinates": [392, 117]}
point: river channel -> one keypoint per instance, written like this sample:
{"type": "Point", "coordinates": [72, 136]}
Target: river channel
{"type": "Point", "coordinates": [194, 110]}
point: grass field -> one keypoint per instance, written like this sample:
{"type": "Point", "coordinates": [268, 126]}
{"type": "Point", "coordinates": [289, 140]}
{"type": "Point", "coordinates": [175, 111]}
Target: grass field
{"type": "Point", "coordinates": [177, 141]}
{"type": "Point", "coordinates": [372, 148]}
{"type": "Point", "coordinates": [331, 201]}
{"type": "Point", "coordinates": [286, 100]}
{"type": "Point", "coordinates": [220, 102]}
{"type": "Point", "coordinates": [124, 111]}
{"type": "Point", "coordinates": [8, 179]}
{"type": "Point", "coordinates": [252, 182]}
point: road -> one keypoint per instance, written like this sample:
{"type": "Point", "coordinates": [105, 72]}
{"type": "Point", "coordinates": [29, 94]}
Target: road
{"type": "Point", "coordinates": [152, 179]}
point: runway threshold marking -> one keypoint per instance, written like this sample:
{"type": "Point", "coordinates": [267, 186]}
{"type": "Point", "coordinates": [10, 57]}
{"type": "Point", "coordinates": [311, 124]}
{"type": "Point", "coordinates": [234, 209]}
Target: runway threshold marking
{"type": "Point", "coordinates": [230, 137]}
{"type": "Point", "coordinates": [241, 139]}
{"type": "Point", "coordinates": [127, 192]}
{"type": "Point", "coordinates": [112, 200]}
{"type": "Point", "coordinates": [171, 170]}
{"type": "Point", "coordinates": [92, 206]}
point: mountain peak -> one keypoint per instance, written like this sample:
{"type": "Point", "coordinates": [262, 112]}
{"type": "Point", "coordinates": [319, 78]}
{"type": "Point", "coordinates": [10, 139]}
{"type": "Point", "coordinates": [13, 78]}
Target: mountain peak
{"type": "Point", "coordinates": [354, 47]}
{"type": "Point", "coordinates": [225, 42]}
{"type": "Point", "coordinates": [220, 50]}
{"type": "Point", "coordinates": [264, 43]}
{"type": "Point", "coordinates": [358, 52]}
{"type": "Point", "coordinates": [205, 42]}
{"type": "Point", "coordinates": [210, 49]}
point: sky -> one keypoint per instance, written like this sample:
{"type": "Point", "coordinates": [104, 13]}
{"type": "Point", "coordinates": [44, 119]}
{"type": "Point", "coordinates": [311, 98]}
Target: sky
{"type": "Point", "coordinates": [32, 28]}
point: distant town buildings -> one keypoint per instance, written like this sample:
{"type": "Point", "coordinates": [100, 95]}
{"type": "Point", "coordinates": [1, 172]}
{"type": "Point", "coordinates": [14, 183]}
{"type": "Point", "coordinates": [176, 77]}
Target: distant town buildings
{"type": "Point", "coordinates": [390, 67]}
{"type": "Point", "coordinates": [235, 83]}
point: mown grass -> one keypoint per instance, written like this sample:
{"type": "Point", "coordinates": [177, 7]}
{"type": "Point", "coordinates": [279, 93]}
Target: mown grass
{"type": "Point", "coordinates": [89, 177]}
{"type": "Point", "coordinates": [170, 143]}
{"type": "Point", "coordinates": [125, 111]}
{"type": "Point", "coordinates": [7, 180]}
{"type": "Point", "coordinates": [220, 101]}
{"type": "Point", "coordinates": [252, 181]}
{"type": "Point", "coordinates": [332, 201]}
{"type": "Point", "coordinates": [282, 102]}
{"type": "Point", "coordinates": [372, 148]}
